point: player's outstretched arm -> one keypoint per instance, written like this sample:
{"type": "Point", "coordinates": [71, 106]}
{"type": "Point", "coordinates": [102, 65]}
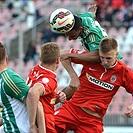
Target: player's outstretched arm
{"type": "Point", "coordinates": [86, 57]}
{"type": "Point", "coordinates": [74, 83]}
{"type": "Point", "coordinates": [93, 9]}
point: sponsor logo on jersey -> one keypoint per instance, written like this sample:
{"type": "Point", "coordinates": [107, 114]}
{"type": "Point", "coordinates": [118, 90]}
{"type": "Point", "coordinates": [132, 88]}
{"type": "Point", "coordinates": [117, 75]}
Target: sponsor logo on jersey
{"type": "Point", "coordinates": [99, 82]}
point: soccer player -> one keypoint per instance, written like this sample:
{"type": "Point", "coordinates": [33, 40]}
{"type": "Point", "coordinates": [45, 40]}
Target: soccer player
{"type": "Point", "coordinates": [99, 82]}
{"type": "Point", "coordinates": [43, 80]}
{"type": "Point", "coordinates": [14, 98]}
{"type": "Point", "coordinates": [90, 33]}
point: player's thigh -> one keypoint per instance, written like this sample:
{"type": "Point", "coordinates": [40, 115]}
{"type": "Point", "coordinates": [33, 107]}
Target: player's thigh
{"type": "Point", "coordinates": [90, 129]}
{"type": "Point", "coordinates": [65, 117]}
{"type": "Point", "coordinates": [90, 124]}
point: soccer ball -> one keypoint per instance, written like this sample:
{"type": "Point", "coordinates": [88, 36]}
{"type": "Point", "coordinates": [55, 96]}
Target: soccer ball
{"type": "Point", "coordinates": [62, 20]}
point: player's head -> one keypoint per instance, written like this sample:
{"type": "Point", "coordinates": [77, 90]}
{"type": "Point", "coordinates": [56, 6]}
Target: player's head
{"type": "Point", "coordinates": [3, 55]}
{"type": "Point", "coordinates": [108, 52]}
{"type": "Point", "coordinates": [50, 53]}
{"type": "Point", "coordinates": [74, 33]}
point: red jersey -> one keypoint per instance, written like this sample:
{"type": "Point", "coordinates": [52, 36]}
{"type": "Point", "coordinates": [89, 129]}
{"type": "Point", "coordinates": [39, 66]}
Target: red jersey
{"type": "Point", "coordinates": [98, 85]}
{"type": "Point", "coordinates": [47, 78]}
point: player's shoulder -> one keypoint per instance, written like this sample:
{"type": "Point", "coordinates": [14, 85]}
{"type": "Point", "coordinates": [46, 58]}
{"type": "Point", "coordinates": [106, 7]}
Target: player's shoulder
{"type": "Point", "coordinates": [86, 14]}
{"type": "Point", "coordinates": [11, 77]}
{"type": "Point", "coordinates": [123, 66]}
{"type": "Point", "coordinates": [8, 73]}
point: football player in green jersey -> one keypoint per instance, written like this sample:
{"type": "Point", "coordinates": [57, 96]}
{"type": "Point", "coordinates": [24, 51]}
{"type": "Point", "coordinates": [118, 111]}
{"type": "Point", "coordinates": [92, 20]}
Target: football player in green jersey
{"type": "Point", "coordinates": [90, 33]}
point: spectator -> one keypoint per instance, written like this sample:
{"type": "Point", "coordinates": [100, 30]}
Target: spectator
{"type": "Point", "coordinates": [30, 13]}
{"type": "Point", "coordinates": [31, 53]}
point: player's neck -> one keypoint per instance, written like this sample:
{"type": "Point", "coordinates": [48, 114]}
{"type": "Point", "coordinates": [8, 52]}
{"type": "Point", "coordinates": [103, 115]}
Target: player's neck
{"type": "Point", "coordinates": [49, 66]}
{"type": "Point", "coordinates": [3, 67]}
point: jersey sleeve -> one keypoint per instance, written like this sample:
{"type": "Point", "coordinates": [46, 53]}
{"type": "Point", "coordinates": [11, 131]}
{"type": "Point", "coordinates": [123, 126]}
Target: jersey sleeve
{"type": "Point", "coordinates": [86, 14]}
{"type": "Point", "coordinates": [76, 51]}
{"type": "Point", "coordinates": [128, 81]}
{"type": "Point", "coordinates": [49, 84]}
{"type": "Point", "coordinates": [15, 87]}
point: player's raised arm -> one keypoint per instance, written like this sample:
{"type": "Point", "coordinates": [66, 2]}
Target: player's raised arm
{"type": "Point", "coordinates": [93, 9]}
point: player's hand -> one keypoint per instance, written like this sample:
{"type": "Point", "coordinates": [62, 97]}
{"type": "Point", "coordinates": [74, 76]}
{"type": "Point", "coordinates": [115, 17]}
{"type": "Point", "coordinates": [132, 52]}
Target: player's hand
{"type": "Point", "coordinates": [92, 9]}
{"type": "Point", "coordinates": [129, 111]}
{"type": "Point", "coordinates": [33, 129]}
{"type": "Point", "coordinates": [74, 83]}
{"type": "Point", "coordinates": [62, 96]}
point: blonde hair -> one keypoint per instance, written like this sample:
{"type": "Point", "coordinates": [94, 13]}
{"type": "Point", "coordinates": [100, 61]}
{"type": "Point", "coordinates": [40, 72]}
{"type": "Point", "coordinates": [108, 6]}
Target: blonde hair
{"type": "Point", "coordinates": [49, 53]}
{"type": "Point", "coordinates": [108, 44]}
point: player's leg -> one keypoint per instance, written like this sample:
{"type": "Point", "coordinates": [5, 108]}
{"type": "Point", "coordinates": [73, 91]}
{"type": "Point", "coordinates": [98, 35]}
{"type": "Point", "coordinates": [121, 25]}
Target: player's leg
{"type": "Point", "coordinates": [65, 119]}
{"type": "Point", "coordinates": [89, 123]}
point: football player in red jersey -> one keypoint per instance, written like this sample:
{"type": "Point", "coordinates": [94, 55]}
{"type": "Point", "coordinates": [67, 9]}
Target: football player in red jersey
{"type": "Point", "coordinates": [89, 32]}
{"type": "Point", "coordinates": [42, 79]}
{"type": "Point", "coordinates": [99, 82]}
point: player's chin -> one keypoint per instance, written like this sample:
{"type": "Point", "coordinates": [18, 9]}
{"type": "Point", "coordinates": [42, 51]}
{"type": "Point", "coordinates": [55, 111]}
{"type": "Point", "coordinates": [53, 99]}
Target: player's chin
{"type": "Point", "coordinates": [106, 67]}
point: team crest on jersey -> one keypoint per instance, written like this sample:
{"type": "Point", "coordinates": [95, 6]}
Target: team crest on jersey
{"type": "Point", "coordinates": [100, 83]}
{"type": "Point", "coordinates": [113, 78]}
{"type": "Point", "coordinates": [45, 80]}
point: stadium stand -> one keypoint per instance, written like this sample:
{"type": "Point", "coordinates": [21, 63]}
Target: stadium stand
{"type": "Point", "coordinates": [15, 30]}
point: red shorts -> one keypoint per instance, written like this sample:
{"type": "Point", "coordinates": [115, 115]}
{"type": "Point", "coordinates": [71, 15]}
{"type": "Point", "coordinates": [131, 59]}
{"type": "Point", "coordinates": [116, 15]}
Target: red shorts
{"type": "Point", "coordinates": [70, 117]}
{"type": "Point", "coordinates": [50, 123]}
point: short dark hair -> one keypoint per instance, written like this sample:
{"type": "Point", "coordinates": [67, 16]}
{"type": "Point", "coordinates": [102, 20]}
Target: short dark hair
{"type": "Point", "coordinates": [77, 24]}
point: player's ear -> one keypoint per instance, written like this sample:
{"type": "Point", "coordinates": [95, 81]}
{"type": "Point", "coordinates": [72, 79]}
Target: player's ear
{"type": "Point", "coordinates": [58, 60]}
{"type": "Point", "coordinates": [6, 58]}
{"type": "Point", "coordinates": [81, 28]}
{"type": "Point", "coordinates": [117, 54]}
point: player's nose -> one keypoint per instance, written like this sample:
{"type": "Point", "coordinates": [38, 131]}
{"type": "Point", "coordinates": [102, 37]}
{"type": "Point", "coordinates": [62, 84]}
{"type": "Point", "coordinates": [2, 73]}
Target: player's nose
{"type": "Point", "coordinates": [105, 61]}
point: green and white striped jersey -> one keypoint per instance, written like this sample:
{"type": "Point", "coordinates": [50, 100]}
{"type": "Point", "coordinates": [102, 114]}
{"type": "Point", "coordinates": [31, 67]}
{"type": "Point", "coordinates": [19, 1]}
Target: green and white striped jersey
{"type": "Point", "coordinates": [92, 32]}
{"type": "Point", "coordinates": [13, 91]}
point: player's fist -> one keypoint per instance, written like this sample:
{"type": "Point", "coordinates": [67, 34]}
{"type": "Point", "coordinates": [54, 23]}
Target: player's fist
{"type": "Point", "coordinates": [129, 111]}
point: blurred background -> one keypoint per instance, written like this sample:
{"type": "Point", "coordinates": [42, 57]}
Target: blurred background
{"type": "Point", "coordinates": [24, 27]}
